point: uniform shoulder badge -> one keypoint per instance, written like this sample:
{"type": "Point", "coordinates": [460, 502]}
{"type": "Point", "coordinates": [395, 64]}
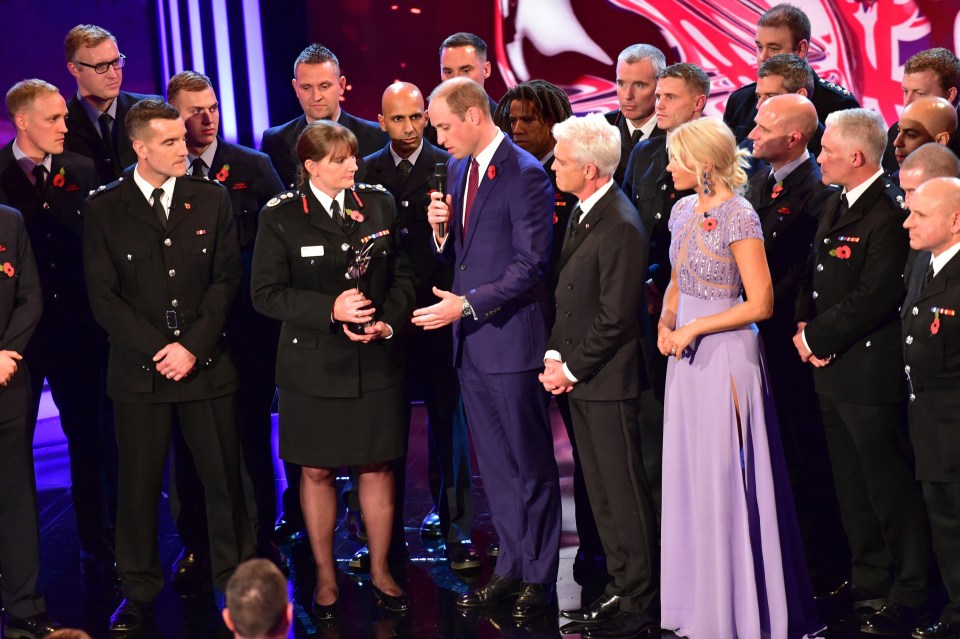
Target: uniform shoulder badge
{"type": "Point", "coordinates": [283, 197]}
{"type": "Point", "coordinates": [104, 188]}
{"type": "Point", "coordinates": [370, 187]}
{"type": "Point", "coordinates": [834, 87]}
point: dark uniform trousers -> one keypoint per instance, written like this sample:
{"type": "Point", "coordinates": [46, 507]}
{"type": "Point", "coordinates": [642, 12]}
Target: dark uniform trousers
{"type": "Point", "coordinates": [932, 356]}
{"type": "Point", "coordinates": [856, 282]}
{"type": "Point", "coordinates": [150, 285]}
{"type": "Point", "coordinates": [68, 334]}
{"type": "Point", "coordinates": [21, 304]}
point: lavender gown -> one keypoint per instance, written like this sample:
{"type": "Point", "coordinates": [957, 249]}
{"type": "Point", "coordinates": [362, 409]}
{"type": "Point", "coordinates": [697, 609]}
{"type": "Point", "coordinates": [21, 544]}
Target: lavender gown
{"type": "Point", "coordinates": [732, 564]}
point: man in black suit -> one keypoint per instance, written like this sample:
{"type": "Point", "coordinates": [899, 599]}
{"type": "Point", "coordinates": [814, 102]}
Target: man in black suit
{"type": "Point", "coordinates": [405, 167]}
{"type": "Point", "coordinates": [935, 73]}
{"type": "Point", "coordinates": [783, 29]}
{"type": "Point", "coordinates": [21, 303]}
{"type": "Point", "coordinates": [251, 181]}
{"type": "Point", "coordinates": [848, 329]}
{"type": "Point", "coordinates": [926, 119]}
{"type": "Point", "coordinates": [96, 113]}
{"type": "Point", "coordinates": [682, 92]}
{"type": "Point", "coordinates": [462, 54]}
{"type": "Point", "coordinates": [929, 315]}
{"type": "Point", "coordinates": [319, 87]}
{"type": "Point", "coordinates": [638, 67]}
{"type": "Point", "coordinates": [594, 356]}
{"type": "Point", "coordinates": [48, 185]}
{"type": "Point", "coordinates": [162, 266]}
{"type": "Point", "coordinates": [788, 197]}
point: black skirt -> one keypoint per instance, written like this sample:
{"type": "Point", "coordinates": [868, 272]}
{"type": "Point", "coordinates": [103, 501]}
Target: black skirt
{"type": "Point", "coordinates": [328, 432]}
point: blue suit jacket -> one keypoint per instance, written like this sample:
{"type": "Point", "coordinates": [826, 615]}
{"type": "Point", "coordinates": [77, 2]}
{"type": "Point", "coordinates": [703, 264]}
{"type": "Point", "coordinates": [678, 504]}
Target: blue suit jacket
{"type": "Point", "coordinates": [501, 265]}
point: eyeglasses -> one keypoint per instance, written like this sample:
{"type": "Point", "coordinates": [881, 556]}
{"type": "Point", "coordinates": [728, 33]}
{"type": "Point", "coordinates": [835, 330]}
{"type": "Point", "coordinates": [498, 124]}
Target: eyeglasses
{"type": "Point", "coordinates": [102, 67]}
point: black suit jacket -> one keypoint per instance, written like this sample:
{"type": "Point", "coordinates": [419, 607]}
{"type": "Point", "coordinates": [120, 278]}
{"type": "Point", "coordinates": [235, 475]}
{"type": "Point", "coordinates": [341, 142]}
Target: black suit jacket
{"type": "Point", "coordinates": [21, 303]}
{"type": "Point", "coordinates": [55, 225]}
{"type": "Point", "coordinates": [741, 107]}
{"type": "Point", "coordinates": [933, 364]}
{"type": "Point", "coordinates": [83, 136]}
{"type": "Point", "coordinates": [151, 285]}
{"type": "Point", "coordinates": [648, 185]}
{"type": "Point", "coordinates": [280, 143]}
{"type": "Point", "coordinates": [599, 301]}
{"type": "Point", "coordinates": [563, 204]}
{"type": "Point", "coordinates": [626, 141]}
{"type": "Point", "coordinates": [851, 297]}
{"type": "Point", "coordinates": [299, 265]}
{"type": "Point", "coordinates": [412, 196]}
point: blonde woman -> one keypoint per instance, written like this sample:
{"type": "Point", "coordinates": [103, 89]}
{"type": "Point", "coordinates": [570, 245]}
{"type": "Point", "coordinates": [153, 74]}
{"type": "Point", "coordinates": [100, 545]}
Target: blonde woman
{"type": "Point", "coordinates": [732, 563]}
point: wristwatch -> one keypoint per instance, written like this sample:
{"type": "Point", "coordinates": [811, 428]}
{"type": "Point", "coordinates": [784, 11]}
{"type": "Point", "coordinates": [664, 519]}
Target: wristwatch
{"type": "Point", "coordinates": [466, 310]}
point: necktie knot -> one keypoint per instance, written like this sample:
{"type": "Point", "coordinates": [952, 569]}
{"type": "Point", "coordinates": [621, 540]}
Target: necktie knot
{"type": "Point", "coordinates": [636, 136]}
{"type": "Point", "coordinates": [158, 208]}
{"type": "Point", "coordinates": [197, 167]}
{"type": "Point", "coordinates": [928, 275]}
{"type": "Point", "coordinates": [404, 166]}
{"type": "Point", "coordinates": [40, 178]}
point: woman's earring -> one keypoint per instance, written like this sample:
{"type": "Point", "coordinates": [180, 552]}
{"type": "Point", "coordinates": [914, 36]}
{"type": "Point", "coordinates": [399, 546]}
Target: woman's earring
{"type": "Point", "coordinates": [707, 184]}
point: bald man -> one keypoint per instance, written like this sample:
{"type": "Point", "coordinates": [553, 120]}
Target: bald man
{"type": "Point", "coordinates": [788, 196]}
{"type": "Point", "coordinates": [405, 167]}
{"type": "Point", "coordinates": [932, 357]}
{"type": "Point", "coordinates": [926, 119]}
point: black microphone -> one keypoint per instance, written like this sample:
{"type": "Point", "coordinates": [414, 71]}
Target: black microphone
{"type": "Point", "coordinates": [440, 175]}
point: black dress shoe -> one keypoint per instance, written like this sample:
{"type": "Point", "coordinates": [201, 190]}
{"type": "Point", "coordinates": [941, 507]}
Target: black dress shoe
{"type": "Point", "coordinates": [892, 619]}
{"type": "Point", "coordinates": [497, 590]}
{"type": "Point", "coordinates": [625, 625]}
{"type": "Point", "coordinates": [360, 562]}
{"type": "Point", "coordinates": [394, 603]}
{"type": "Point", "coordinates": [189, 567]}
{"type": "Point", "coordinates": [430, 527]}
{"type": "Point", "coordinates": [463, 556]}
{"type": "Point", "coordinates": [32, 627]}
{"type": "Point", "coordinates": [937, 630]}
{"type": "Point", "coordinates": [286, 531]}
{"type": "Point", "coordinates": [534, 600]}
{"type": "Point", "coordinates": [325, 614]}
{"type": "Point", "coordinates": [604, 608]}
{"type": "Point", "coordinates": [130, 616]}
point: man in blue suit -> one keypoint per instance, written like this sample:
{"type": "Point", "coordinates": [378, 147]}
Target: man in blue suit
{"type": "Point", "coordinates": [498, 219]}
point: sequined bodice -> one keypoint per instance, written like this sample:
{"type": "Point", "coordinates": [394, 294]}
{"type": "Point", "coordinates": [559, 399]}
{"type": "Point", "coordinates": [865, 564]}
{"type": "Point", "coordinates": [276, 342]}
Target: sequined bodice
{"type": "Point", "coordinates": [700, 246]}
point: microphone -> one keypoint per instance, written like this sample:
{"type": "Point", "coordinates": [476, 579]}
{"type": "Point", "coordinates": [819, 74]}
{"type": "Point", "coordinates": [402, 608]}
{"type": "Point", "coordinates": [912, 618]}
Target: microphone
{"type": "Point", "coordinates": [440, 175]}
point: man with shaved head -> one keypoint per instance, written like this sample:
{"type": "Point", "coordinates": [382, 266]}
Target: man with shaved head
{"type": "Point", "coordinates": [405, 167]}
{"type": "Point", "coordinates": [930, 161]}
{"type": "Point", "coordinates": [788, 196]}
{"type": "Point", "coordinates": [932, 356]}
{"type": "Point", "coordinates": [926, 119]}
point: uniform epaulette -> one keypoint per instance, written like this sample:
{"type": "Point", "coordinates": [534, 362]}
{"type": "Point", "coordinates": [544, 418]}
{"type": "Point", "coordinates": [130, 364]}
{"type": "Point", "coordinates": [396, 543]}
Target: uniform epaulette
{"type": "Point", "coordinates": [894, 193]}
{"type": "Point", "coordinates": [360, 186]}
{"type": "Point", "coordinates": [834, 87]}
{"type": "Point", "coordinates": [283, 197]}
{"type": "Point", "coordinates": [97, 192]}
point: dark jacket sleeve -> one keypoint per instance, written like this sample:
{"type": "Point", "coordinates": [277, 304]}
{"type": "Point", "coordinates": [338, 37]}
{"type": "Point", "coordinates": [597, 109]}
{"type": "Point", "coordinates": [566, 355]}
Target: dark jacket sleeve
{"type": "Point", "coordinates": [268, 183]}
{"type": "Point", "coordinates": [29, 300]}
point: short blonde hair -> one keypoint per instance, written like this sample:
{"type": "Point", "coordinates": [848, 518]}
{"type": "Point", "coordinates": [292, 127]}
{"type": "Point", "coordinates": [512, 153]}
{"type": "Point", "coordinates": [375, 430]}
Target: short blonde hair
{"type": "Point", "coordinates": [22, 94]}
{"type": "Point", "coordinates": [186, 81]}
{"type": "Point", "coordinates": [863, 130]}
{"type": "Point", "coordinates": [84, 35]}
{"type": "Point", "coordinates": [592, 140]}
{"type": "Point", "coordinates": [696, 143]}
{"type": "Point", "coordinates": [461, 94]}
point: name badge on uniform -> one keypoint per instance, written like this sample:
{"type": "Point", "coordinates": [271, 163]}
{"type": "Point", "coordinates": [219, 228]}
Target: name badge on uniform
{"type": "Point", "coordinates": [311, 251]}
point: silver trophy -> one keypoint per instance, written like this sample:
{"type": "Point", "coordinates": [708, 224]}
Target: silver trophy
{"type": "Point", "coordinates": [359, 263]}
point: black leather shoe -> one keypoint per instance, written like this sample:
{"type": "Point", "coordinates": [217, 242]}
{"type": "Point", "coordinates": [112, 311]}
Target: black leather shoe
{"type": "Point", "coordinates": [394, 603]}
{"type": "Point", "coordinates": [625, 625]}
{"type": "Point", "coordinates": [130, 616]}
{"type": "Point", "coordinates": [286, 531]}
{"type": "Point", "coordinates": [497, 590]}
{"type": "Point", "coordinates": [463, 556]}
{"type": "Point", "coordinates": [493, 551]}
{"type": "Point", "coordinates": [189, 567]}
{"type": "Point", "coordinates": [32, 627]}
{"type": "Point", "coordinates": [430, 527]}
{"type": "Point", "coordinates": [892, 619]}
{"type": "Point", "coordinates": [937, 630]}
{"type": "Point", "coordinates": [534, 600]}
{"type": "Point", "coordinates": [360, 562]}
{"type": "Point", "coordinates": [325, 615]}
{"type": "Point", "coordinates": [604, 608]}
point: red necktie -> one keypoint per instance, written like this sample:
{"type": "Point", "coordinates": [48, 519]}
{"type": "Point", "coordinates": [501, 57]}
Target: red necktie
{"type": "Point", "coordinates": [473, 183]}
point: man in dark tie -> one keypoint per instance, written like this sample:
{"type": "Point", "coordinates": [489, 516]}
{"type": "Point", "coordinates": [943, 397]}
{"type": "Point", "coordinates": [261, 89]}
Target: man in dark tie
{"type": "Point", "coordinates": [250, 179]}
{"type": "Point", "coordinates": [96, 113]}
{"type": "Point", "coordinates": [933, 367]}
{"type": "Point", "coordinates": [405, 167]}
{"type": "Point", "coordinates": [162, 267]}
{"type": "Point", "coordinates": [848, 329]}
{"type": "Point", "coordinates": [638, 67]}
{"type": "Point", "coordinates": [319, 86]}
{"type": "Point", "coordinates": [496, 224]}
{"type": "Point", "coordinates": [48, 185]}
{"type": "Point", "coordinates": [788, 195]}
{"type": "Point", "coordinates": [593, 358]}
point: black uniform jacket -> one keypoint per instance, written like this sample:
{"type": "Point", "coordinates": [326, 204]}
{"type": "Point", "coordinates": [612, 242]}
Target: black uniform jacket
{"type": "Point", "coordinates": [598, 297]}
{"type": "Point", "coordinates": [626, 141]}
{"type": "Point", "coordinates": [931, 348]}
{"type": "Point", "coordinates": [280, 143]}
{"type": "Point", "coordinates": [299, 268]}
{"type": "Point", "coordinates": [852, 294]}
{"type": "Point", "coordinates": [563, 204]}
{"type": "Point", "coordinates": [412, 197]}
{"type": "Point", "coordinates": [83, 136]}
{"type": "Point", "coordinates": [151, 285]}
{"type": "Point", "coordinates": [21, 303]}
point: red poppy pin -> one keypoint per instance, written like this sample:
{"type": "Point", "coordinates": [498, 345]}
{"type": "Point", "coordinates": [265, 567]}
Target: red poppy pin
{"type": "Point", "coordinates": [491, 171]}
{"type": "Point", "coordinates": [555, 218]}
{"type": "Point", "coordinates": [223, 173]}
{"type": "Point", "coordinates": [783, 210]}
{"type": "Point", "coordinates": [842, 252]}
{"type": "Point", "coordinates": [777, 190]}
{"type": "Point", "coordinates": [935, 325]}
{"type": "Point", "coordinates": [186, 205]}
{"type": "Point", "coordinates": [2, 248]}
{"type": "Point", "coordinates": [60, 178]}
{"type": "Point", "coordinates": [937, 311]}
{"type": "Point", "coordinates": [708, 224]}
{"type": "Point", "coordinates": [356, 216]}
{"type": "Point", "coordinates": [8, 269]}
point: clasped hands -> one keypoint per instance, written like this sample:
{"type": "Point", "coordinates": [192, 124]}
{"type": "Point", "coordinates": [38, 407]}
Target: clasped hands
{"type": "Point", "coordinates": [353, 307]}
{"type": "Point", "coordinates": [553, 378]}
{"type": "Point", "coordinates": [174, 361]}
{"type": "Point", "coordinates": [673, 342]}
{"type": "Point", "coordinates": [8, 366]}
{"type": "Point", "coordinates": [805, 353]}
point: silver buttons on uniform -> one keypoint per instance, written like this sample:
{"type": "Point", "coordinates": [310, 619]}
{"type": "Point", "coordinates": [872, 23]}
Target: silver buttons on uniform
{"type": "Point", "coordinates": [172, 272]}
{"type": "Point", "coordinates": [344, 246]}
{"type": "Point", "coordinates": [819, 267]}
{"type": "Point", "coordinates": [826, 240]}
{"type": "Point", "coordinates": [174, 303]}
{"type": "Point", "coordinates": [909, 340]}
{"type": "Point", "coordinates": [168, 242]}
{"type": "Point", "coordinates": [906, 369]}
{"type": "Point", "coordinates": [814, 295]}
{"type": "Point", "coordinates": [915, 310]}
